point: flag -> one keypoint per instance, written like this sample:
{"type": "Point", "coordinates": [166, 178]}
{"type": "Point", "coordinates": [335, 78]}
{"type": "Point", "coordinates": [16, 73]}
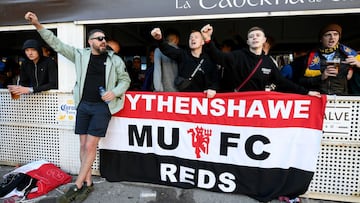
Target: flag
{"type": "Point", "coordinates": [260, 144]}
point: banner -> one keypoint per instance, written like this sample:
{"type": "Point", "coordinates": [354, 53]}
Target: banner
{"type": "Point", "coordinates": [260, 144]}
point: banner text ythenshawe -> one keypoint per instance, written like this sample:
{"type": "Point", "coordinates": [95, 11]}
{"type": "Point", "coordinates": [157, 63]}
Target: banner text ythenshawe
{"type": "Point", "coordinates": [242, 108]}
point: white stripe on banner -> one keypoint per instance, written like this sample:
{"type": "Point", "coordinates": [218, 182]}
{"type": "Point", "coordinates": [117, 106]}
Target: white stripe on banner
{"type": "Point", "coordinates": [252, 129]}
{"type": "Point", "coordinates": [238, 145]}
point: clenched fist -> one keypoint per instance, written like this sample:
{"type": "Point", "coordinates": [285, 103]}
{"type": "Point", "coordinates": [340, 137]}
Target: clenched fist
{"type": "Point", "coordinates": [33, 19]}
{"type": "Point", "coordinates": [206, 32]}
{"type": "Point", "coordinates": [156, 33]}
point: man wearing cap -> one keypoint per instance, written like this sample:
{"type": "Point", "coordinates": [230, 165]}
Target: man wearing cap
{"type": "Point", "coordinates": [38, 73]}
{"type": "Point", "coordinates": [316, 73]}
{"type": "Point", "coordinates": [95, 67]}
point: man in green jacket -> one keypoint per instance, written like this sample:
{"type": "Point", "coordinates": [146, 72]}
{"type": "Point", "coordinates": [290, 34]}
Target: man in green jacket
{"type": "Point", "coordinates": [95, 67]}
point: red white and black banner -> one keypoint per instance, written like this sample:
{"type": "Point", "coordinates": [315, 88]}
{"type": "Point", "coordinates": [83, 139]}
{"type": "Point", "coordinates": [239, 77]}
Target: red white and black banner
{"type": "Point", "coordinates": [261, 144]}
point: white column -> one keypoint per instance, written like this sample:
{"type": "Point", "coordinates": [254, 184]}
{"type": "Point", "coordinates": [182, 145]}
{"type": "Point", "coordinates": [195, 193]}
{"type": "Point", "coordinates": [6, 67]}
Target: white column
{"type": "Point", "coordinates": [73, 35]}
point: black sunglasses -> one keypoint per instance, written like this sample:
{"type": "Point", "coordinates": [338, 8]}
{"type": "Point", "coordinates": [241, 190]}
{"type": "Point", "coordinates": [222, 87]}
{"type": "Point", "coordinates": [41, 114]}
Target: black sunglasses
{"type": "Point", "coordinates": [101, 38]}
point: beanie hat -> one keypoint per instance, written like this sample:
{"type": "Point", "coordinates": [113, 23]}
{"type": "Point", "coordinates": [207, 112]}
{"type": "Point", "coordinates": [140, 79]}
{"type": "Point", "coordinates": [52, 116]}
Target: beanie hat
{"type": "Point", "coordinates": [31, 43]}
{"type": "Point", "coordinates": [330, 27]}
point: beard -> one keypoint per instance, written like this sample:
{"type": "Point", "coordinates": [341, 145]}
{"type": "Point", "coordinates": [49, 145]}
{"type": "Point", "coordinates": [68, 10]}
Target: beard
{"type": "Point", "coordinates": [101, 49]}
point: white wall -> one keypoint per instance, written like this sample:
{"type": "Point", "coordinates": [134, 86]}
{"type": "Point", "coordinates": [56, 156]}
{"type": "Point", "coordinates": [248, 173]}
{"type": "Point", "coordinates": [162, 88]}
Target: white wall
{"type": "Point", "coordinates": [73, 35]}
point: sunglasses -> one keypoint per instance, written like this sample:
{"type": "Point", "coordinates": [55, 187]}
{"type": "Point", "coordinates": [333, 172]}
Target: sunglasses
{"type": "Point", "coordinates": [101, 38]}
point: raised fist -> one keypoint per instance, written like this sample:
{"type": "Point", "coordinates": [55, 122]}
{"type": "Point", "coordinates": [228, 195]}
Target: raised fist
{"type": "Point", "coordinates": [156, 33]}
{"type": "Point", "coordinates": [206, 32]}
{"type": "Point", "coordinates": [31, 17]}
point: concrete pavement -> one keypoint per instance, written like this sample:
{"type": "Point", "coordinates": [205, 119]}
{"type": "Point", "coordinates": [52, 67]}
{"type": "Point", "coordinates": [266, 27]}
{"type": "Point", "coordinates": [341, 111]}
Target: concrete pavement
{"type": "Point", "coordinates": [129, 192]}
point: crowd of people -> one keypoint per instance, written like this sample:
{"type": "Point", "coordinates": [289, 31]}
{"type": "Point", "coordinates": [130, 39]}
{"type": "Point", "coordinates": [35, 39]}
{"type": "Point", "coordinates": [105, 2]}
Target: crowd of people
{"type": "Point", "coordinates": [168, 65]}
{"type": "Point", "coordinates": [9, 71]}
{"type": "Point", "coordinates": [253, 68]}
{"type": "Point", "coordinates": [330, 68]}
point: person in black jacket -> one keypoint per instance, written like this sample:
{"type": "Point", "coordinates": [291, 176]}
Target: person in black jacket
{"type": "Point", "coordinates": [205, 79]}
{"type": "Point", "coordinates": [266, 75]}
{"type": "Point", "coordinates": [38, 73]}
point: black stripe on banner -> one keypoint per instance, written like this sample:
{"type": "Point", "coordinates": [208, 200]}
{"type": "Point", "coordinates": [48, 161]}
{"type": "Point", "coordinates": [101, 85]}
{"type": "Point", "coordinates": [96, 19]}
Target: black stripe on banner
{"type": "Point", "coordinates": [259, 183]}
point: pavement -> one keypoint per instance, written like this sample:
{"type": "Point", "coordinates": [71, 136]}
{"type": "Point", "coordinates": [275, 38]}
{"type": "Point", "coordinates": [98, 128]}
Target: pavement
{"type": "Point", "coordinates": [129, 192]}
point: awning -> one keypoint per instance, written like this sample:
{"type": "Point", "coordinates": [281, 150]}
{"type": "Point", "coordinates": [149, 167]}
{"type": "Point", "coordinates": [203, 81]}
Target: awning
{"type": "Point", "coordinates": [50, 11]}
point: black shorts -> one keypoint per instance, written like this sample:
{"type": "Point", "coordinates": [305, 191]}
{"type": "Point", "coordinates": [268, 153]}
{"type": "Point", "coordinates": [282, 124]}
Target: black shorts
{"type": "Point", "coordinates": [92, 118]}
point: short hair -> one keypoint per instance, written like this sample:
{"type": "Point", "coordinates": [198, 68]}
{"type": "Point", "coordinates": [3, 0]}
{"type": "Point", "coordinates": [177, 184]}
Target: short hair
{"type": "Point", "coordinates": [192, 31]}
{"type": "Point", "coordinates": [256, 28]}
{"type": "Point", "coordinates": [171, 31]}
{"type": "Point", "coordinates": [93, 31]}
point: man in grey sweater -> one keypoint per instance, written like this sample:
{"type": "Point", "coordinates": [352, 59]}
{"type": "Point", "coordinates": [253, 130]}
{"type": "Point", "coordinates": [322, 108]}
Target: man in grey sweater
{"type": "Point", "coordinates": [166, 69]}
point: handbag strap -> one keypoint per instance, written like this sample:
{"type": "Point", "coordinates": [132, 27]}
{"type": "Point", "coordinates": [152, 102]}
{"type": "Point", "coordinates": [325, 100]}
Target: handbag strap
{"type": "Point", "coordinates": [250, 75]}
{"type": "Point", "coordinates": [196, 69]}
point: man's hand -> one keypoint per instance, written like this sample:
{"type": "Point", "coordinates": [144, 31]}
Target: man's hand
{"type": "Point", "coordinates": [314, 94]}
{"type": "Point", "coordinates": [18, 89]}
{"type": "Point", "coordinates": [351, 60]}
{"type": "Point", "coordinates": [350, 73]}
{"type": "Point", "coordinates": [206, 32]}
{"type": "Point", "coordinates": [210, 93]}
{"type": "Point", "coordinates": [156, 33]}
{"type": "Point", "coordinates": [330, 71]}
{"type": "Point", "coordinates": [33, 19]}
{"type": "Point", "coordinates": [108, 96]}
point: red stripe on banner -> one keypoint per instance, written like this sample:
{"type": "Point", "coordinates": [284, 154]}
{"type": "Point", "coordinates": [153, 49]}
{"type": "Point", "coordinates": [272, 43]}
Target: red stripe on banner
{"type": "Point", "coordinates": [257, 109]}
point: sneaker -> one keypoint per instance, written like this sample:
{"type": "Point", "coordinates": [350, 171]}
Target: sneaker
{"type": "Point", "coordinates": [70, 195]}
{"type": "Point", "coordinates": [295, 200]}
{"type": "Point", "coordinates": [84, 192]}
